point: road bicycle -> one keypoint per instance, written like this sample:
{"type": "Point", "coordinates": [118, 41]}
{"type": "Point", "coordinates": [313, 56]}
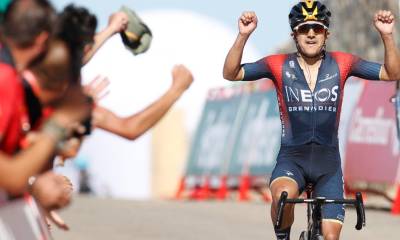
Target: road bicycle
{"type": "Point", "coordinates": [314, 214]}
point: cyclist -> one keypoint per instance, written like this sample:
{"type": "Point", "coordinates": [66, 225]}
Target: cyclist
{"type": "Point", "coordinates": [309, 85]}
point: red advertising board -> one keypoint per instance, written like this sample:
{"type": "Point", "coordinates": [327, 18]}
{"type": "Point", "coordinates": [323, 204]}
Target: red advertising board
{"type": "Point", "coordinates": [373, 151]}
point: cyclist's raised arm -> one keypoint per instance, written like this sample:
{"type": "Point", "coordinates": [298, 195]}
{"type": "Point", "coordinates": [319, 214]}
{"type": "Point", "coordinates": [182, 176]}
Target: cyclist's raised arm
{"type": "Point", "coordinates": [390, 70]}
{"type": "Point", "coordinates": [232, 67]}
{"type": "Point", "coordinates": [384, 23]}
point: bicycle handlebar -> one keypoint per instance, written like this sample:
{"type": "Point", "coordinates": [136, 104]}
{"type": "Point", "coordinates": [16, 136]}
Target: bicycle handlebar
{"type": "Point", "coordinates": [357, 202]}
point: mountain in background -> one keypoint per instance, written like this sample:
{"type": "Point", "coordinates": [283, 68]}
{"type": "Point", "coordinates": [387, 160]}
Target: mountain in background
{"type": "Point", "coordinates": [352, 28]}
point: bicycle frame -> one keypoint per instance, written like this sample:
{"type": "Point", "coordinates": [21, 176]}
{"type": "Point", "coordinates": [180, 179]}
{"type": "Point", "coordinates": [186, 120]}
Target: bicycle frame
{"type": "Point", "coordinates": [314, 211]}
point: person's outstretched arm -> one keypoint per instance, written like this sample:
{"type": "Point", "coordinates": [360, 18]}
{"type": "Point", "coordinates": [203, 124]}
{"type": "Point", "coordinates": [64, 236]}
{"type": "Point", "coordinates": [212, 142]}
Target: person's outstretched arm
{"type": "Point", "coordinates": [134, 126]}
{"type": "Point", "coordinates": [384, 22]}
{"type": "Point", "coordinates": [15, 170]}
{"type": "Point", "coordinates": [232, 67]}
{"type": "Point", "coordinates": [117, 22]}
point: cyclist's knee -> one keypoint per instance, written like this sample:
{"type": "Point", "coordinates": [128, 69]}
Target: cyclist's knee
{"type": "Point", "coordinates": [331, 230]}
{"type": "Point", "coordinates": [331, 236]}
{"type": "Point", "coordinates": [290, 189]}
{"type": "Point", "coordinates": [284, 185]}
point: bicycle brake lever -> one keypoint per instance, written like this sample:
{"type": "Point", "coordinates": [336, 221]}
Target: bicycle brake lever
{"type": "Point", "coordinates": [281, 206]}
{"type": "Point", "coordinates": [359, 204]}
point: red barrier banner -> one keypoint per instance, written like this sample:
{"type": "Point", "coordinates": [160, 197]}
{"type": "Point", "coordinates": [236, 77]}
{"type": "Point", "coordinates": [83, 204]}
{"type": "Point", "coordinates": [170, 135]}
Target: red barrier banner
{"type": "Point", "coordinates": [373, 152]}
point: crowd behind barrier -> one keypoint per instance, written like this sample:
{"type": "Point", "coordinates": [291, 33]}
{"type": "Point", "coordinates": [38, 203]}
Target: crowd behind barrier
{"type": "Point", "coordinates": [45, 111]}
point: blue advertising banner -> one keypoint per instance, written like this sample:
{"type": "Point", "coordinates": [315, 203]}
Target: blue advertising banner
{"type": "Point", "coordinates": [216, 131]}
{"type": "Point", "coordinates": [258, 141]}
{"type": "Point", "coordinates": [238, 134]}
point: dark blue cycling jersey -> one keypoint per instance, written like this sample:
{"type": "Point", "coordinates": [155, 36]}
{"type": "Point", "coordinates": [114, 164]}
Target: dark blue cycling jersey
{"type": "Point", "coordinates": [310, 116]}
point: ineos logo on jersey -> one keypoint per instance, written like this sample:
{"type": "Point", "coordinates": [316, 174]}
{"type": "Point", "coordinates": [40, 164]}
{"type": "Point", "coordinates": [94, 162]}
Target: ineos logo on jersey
{"type": "Point", "coordinates": [306, 96]}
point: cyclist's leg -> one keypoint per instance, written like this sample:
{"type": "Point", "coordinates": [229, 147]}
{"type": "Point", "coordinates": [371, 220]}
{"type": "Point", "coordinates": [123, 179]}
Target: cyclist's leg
{"type": "Point", "coordinates": [287, 176]}
{"type": "Point", "coordinates": [331, 229]}
{"type": "Point", "coordinates": [331, 187]}
{"type": "Point", "coordinates": [277, 187]}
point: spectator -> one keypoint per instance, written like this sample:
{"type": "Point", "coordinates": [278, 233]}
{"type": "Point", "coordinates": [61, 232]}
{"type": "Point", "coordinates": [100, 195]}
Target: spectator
{"type": "Point", "coordinates": [25, 35]}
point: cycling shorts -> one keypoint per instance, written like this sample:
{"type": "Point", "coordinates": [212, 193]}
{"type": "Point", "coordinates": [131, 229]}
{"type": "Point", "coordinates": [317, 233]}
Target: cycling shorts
{"type": "Point", "coordinates": [319, 165]}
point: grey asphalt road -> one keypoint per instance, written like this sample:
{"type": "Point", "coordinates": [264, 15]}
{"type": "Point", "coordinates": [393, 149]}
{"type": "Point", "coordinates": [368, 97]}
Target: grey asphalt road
{"type": "Point", "coordinates": [98, 219]}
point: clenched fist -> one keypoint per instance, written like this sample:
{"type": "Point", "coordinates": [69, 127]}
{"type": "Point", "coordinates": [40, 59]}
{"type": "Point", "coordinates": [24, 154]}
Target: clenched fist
{"type": "Point", "coordinates": [384, 22]}
{"type": "Point", "coordinates": [247, 23]}
{"type": "Point", "coordinates": [52, 191]}
{"type": "Point", "coordinates": [118, 22]}
{"type": "Point", "coordinates": [182, 78]}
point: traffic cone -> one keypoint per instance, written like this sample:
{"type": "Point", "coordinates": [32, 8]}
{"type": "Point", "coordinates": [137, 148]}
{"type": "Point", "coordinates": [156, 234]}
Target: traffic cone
{"type": "Point", "coordinates": [205, 192]}
{"type": "Point", "coordinates": [197, 189]}
{"type": "Point", "coordinates": [396, 203]}
{"type": "Point", "coordinates": [244, 188]}
{"type": "Point", "coordinates": [181, 189]}
{"type": "Point", "coordinates": [195, 194]}
{"type": "Point", "coordinates": [223, 189]}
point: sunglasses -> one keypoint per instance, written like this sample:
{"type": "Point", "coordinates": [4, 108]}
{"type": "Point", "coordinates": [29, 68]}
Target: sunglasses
{"type": "Point", "coordinates": [305, 28]}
